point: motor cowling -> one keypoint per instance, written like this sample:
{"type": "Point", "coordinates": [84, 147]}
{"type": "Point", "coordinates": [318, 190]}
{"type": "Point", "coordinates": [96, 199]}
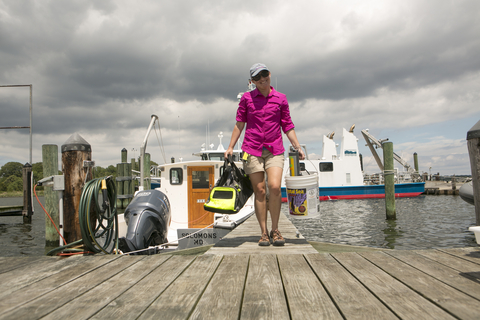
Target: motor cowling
{"type": "Point", "coordinates": [148, 217]}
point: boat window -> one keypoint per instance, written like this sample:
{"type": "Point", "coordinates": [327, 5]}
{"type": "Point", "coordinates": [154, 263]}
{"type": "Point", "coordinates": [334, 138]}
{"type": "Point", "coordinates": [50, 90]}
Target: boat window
{"type": "Point", "coordinates": [326, 166]}
{"type": "Point", "coordinates": [200, 179]}
{"type": "Point", "coordinates": [216, 156]}
{"type": "Point", "coordinates": [176, 176]}
{"type": "Point", "coordinates": [349, 180]}
{"type": "Point", "coordinates": [221, 157]}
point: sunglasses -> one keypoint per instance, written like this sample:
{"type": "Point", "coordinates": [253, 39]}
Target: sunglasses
{"type": "Point", "coordinates": [262, 74]}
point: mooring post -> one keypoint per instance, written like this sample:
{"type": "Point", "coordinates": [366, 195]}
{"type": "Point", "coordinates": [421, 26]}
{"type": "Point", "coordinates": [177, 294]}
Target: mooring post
{"type": "Point", "coordinates": [76, 159]}
{"type": "Point", "coordinates": [133, 167]}
{"type": "Point", "coordinates": [120, 185]}
{"type": "Point", "coordinates": [415, 162]}
{"type": "Point", "coordinates": [473, 142]}
{"type": "Point", "coordinates": [50, 168]}
{"type": "Point", "coordinates": [146, 172]}
{"type": "Point", "coordinates": [27, 193]}
{"type": "Point", "coordinates": [127, 175]}
{"type": "Point", "coordinates": [389, 180]}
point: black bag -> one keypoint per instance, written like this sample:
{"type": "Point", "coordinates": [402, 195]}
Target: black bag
{"type": "Point", "coordinates": [231, 191]}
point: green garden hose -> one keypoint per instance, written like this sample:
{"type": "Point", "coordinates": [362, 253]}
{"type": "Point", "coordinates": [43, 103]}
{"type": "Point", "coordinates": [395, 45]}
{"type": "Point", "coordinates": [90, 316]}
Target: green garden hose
{"type": "Point", "coordinates": [98, 219]}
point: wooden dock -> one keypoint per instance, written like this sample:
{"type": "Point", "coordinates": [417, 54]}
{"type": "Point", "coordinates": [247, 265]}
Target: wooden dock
{"type": "Point", "coordinates": [240, 280]}
{"type": "Point", "coordinates": [441, 188]}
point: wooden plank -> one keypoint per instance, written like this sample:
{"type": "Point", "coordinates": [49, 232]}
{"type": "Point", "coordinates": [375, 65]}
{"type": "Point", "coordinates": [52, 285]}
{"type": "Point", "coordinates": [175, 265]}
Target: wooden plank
{"type": "Point", "coordinates": [307, 299]}
{"type": "Point", "coordinates": [145, 291]}
{"type": "Point", "coordinates": [46, 303]}
{"type": "Point", "coordinates": [459, 281]}
{"type": "Point", "coordinates": [453, 261]}
{"type": "Point", "coordinates": [470, 254]}
{"type": "Point", "coordinates": [104, 293]}
{"type": "Point", "coordinates": [264, 297]}
{"type": "Point", "coordinates": [11, 263]}
{"type": "Point", "coordinates": [223, 296]}
{"type": "Point", "coordinates": [404, 302]}
{"type": "Point", "coordinates": [179, 299]}
{"type": "Point", "coordinates": [351, 297]}
{"type": "Point", "coordinates": [455, 302]}
{"type": "Point", "coordinates": [17, 297]}
{"type": "Point", "coordinates": [244, 240]}
{"type": "Point", "coordinates": [31, 273]}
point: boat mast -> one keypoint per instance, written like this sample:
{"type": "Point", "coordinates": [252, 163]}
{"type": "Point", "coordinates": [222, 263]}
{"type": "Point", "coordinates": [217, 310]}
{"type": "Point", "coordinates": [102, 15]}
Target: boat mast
{"type": "Point", "coordinates": [142, 151]}
{"type": "Point", "coordinates": [379, 143]}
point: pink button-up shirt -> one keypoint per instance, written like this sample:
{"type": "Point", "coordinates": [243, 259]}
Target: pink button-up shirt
{"type": "Point", "coordinates": [264, 116]}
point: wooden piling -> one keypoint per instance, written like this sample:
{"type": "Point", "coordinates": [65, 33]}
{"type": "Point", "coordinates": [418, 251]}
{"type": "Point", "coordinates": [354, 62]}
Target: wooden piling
{"type": "Point", "coordinates": [133, 167]}
{"type": "Point", "coordinates": [120, 185]}
{"type": "Point", "coordinates": [146, 172]}
{"type": "Point", "coordinates": [124, 181]}
{"type": "Point", "coordinates": [127, 174]}
{"type": "Point", "coordinates": [27, 193]}
{"type": "Point", "coordinates": [50, 168]}
{"type": "Point", "coordinates": [473, 142]}
{"type": "Point", "coordinates": [415, 162]}
{"type": "Point", "coordinates": [124, 155]}
{"type": "Point", "coordinates": [389, 180]}
{"type": "Point", "coordinates": [74, 152]}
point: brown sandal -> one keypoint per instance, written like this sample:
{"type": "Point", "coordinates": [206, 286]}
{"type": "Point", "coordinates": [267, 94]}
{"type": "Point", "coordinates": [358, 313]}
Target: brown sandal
{"type": "Point", "coordinates": [277, 238]}
{"type": "Point", "coordinates": [264, 240]}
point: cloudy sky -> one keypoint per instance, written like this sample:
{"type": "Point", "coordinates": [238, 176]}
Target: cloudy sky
{"type": "Point", "coordinates": [406, 70]}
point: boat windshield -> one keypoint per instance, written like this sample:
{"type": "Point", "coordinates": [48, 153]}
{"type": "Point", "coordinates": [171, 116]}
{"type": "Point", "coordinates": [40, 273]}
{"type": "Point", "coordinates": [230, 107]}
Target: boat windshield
{"type": "Point", "coordinates": [216, 156]}
{"type": "Point", "coordinates": [220, 156]}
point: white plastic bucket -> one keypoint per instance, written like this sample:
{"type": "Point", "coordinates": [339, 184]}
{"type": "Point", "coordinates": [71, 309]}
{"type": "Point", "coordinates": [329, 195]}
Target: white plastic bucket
{"type": "Point", "coordinates": [302, 196]}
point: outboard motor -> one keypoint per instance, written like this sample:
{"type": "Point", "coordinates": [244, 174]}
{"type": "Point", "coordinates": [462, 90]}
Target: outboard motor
{"type": "Point", "coordinates": [147, 218]}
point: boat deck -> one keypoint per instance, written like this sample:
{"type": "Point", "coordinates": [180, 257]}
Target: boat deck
{"type": "Point", "coordinates": [237, 280]}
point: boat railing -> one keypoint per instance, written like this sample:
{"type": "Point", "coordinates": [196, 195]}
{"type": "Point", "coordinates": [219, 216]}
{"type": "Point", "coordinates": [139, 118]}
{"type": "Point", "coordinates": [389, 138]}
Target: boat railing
{"type": "Point", "coordinates": [399, 177]}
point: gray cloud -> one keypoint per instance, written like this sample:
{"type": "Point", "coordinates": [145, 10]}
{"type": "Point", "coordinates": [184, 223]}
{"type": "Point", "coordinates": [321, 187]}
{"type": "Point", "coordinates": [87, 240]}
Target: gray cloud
{"type": "Point", "coordinates": [104, 67]}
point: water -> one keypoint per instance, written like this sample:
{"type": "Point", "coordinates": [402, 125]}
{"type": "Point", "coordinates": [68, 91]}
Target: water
{"type": "Point", "coordinates": [17, 238]}
{"type": "Point", "coordinates": [423, 222]}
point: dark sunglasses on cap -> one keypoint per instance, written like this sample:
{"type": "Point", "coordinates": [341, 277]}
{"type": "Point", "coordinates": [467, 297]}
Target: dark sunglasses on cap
{"type": "Point", "coordinates": [263, 73]}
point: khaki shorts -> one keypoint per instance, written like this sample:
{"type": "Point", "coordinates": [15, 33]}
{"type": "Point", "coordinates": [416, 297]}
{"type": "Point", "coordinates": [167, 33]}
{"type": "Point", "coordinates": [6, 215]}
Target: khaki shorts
{"type": "Point", "coordinates": [267, 160]}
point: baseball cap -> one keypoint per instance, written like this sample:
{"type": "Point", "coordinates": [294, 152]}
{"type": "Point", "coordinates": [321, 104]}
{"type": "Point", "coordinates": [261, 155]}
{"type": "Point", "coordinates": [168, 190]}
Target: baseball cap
{"type": "Point", "coordinates": [257, 68]}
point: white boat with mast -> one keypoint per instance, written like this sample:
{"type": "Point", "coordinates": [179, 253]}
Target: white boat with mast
{"type": "Point", "coordinates": [187, 186]}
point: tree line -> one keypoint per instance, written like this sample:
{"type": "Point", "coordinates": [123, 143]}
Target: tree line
{"type": "Point", "coordinates": [11, 175]}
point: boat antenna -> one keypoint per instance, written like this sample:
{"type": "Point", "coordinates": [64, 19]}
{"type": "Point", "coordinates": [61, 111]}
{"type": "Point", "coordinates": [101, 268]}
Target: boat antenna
{"type": "Point", "coordinates": [142, 150]}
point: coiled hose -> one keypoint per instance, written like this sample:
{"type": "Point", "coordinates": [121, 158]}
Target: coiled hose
{"type": "Point", "coordinates": [98, 219]}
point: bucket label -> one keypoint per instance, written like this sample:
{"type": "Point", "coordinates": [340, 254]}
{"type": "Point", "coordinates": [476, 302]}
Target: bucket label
{"type": "Point", "coordinates": [297, 201]}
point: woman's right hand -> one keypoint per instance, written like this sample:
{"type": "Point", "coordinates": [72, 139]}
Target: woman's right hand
{"type": "Point", "coordinates": [227, 153]}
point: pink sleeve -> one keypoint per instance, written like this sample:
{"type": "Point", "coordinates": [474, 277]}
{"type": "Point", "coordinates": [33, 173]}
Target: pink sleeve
{"type": "Point", "coordinates": [242, 110]}
{"type": "Point", "coordinates": [286, 120]}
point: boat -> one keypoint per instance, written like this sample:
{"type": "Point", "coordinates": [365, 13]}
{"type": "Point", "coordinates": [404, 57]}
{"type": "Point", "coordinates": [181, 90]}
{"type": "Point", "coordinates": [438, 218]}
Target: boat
{"type": "Point", "coordinates": [466, 192]}
{"type": "Point", "coordinates": [340, 175]}
{"type": "Point", "coordinates": [182, 188]}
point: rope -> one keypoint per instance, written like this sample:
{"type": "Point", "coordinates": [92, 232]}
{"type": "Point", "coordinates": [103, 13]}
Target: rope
{"type": "Point", "coordinates": [35, 192]}
{"type": "Point", "coordinates": [193, 220]}
{"type": "Point", "coordinates": [160, 144]}
{"type": "Point", "coordinates": [163, 245]}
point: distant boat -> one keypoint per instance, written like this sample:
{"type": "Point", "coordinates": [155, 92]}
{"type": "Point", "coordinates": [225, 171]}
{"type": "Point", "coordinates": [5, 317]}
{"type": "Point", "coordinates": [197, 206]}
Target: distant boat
{"type": "Point", "coordinates": [340, 175]}
{"type": "Point", "coordinates": [466, 192]}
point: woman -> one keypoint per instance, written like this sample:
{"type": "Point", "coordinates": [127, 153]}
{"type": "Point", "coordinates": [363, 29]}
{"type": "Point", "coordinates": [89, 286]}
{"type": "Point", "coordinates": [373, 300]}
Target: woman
{"type": "Point", "coordinates": [266, 113]}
